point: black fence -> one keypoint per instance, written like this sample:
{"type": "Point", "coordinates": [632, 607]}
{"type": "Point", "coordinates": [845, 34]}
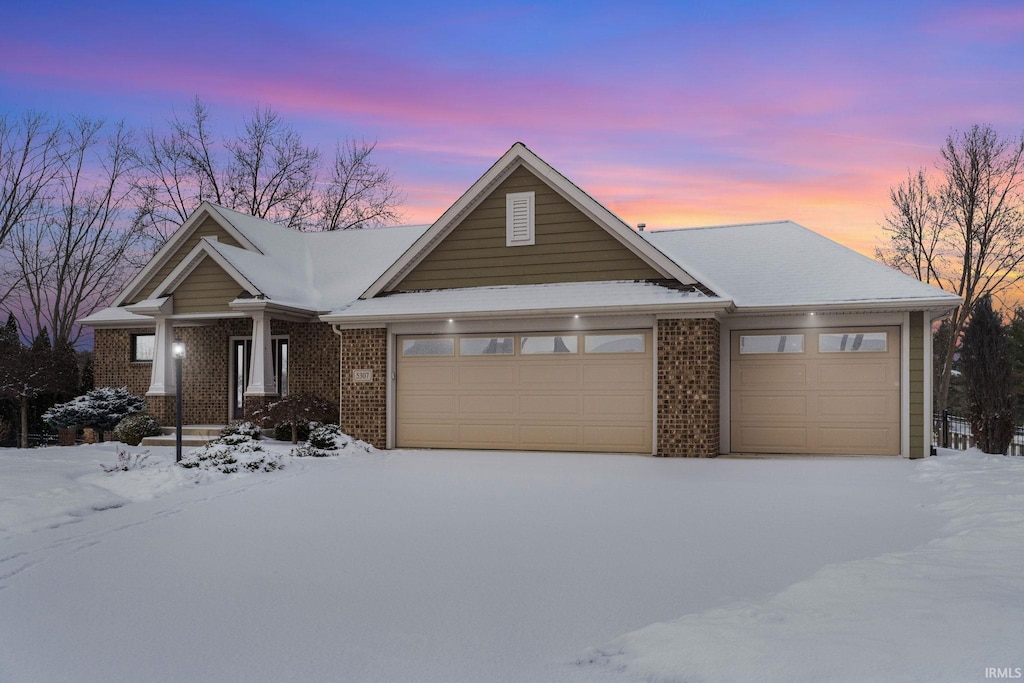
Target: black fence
{"type": "Point", "coordinates": [952, 431]}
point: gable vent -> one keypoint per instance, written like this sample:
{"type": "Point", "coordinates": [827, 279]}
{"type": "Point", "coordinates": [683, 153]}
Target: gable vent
{"type": "Point", "coordinates": [519, 219]}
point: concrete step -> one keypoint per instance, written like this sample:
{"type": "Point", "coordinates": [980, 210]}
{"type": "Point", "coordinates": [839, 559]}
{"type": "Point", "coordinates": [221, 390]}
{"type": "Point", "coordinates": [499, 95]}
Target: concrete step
{"type": "Point", "coordinates": [192, 436]}
{"type": "Point", "coordinates": [186, 441]}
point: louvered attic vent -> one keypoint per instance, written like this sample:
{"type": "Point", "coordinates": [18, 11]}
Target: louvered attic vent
{"type": "Point", "coordinates": [519, 220]}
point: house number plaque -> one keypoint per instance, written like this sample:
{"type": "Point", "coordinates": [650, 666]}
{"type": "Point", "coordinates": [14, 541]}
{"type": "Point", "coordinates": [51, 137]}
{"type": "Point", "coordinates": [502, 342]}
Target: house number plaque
{"type": "Point", "coordinates": [362, 375]}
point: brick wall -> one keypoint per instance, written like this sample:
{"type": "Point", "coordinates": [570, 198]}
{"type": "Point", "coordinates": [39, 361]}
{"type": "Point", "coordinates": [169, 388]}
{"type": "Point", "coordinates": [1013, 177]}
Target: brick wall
{"type": "Point", "coordinates": [364, 404]}
{"type": "Point", "coordinates": [312, 358]}
{"type": "Point", "coordinates": [313, 365]}
{"type": "Point", "coordinates": [688, 388]}
{"type": "Point", "coordinates": [112, 365]}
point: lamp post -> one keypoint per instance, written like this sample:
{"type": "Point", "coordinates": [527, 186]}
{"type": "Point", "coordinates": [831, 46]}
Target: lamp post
{"type": "Point", "coordinates": [178, 351]}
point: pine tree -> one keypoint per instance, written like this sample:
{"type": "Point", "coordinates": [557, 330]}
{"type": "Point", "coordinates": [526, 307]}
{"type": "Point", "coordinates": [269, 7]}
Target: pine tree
{"type": "Point", "coordinates": [988, 379]}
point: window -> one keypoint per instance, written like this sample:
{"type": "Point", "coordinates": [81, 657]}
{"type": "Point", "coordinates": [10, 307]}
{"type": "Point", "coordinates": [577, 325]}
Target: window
{"type": "Point", "coordinates": [281, 365]}
{"type": "Point", "coordinates": [852, 342]}
{"type": "Point", "coordinates": [548, 344]}
{"type": "Point", "coordinates": [143, 346]}
{"type": "Point", "coordinates": [519, 219]}
{"type": "Point", "coordinates": [485, 346]}
{"type": "Point", "coordinates": [614, 343]}
{"type": "Point", "coordinates": [442, 346]}
{"type": "Point", "coordinates": [771, 343]}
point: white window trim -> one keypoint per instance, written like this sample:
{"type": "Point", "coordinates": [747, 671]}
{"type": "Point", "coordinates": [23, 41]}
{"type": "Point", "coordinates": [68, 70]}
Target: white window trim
{"type": "Point", "coordinates": [516, 234]}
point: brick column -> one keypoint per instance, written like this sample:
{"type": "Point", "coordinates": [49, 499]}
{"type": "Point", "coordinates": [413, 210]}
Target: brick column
{"type": "Point", "coordinates": [364, 404]}
{"type": "Point", "coordinates": [688, 388]}
{"type": "Point", "coordinates": [162, 407]}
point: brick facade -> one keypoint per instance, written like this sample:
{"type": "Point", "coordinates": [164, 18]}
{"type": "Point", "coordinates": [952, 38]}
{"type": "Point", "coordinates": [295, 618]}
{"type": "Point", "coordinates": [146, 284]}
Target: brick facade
{"type": "Point", "coordinates": [113, 366]}
{"type": "Point", "coordinates": [688, 387]}
{"type": "Point", "coordinates": [364, 404]}
{"type": "Point", "coordinates": [312, 366]}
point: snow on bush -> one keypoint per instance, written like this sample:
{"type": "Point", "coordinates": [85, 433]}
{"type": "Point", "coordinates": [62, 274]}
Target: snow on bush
{"type": "Point", "coordinates": [327, 439]}
{"type": "Point", "coordinates": [231, 454]}
{"type": "Point", "coordinates": [134, 428]}
{"type": "Point", "coordinates": [244, 428]}
{"type": "Point", "coordinates": [101, 408]}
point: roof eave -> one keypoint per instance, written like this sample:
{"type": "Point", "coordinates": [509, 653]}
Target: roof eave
{"type": "Point", "coordinates": [712, 306]}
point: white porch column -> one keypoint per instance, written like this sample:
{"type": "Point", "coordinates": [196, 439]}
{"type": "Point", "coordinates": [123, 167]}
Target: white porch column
{"type": "Point", "coordinates": [262, 381]}
{"type": "Point", "coordinates": [161, 382]}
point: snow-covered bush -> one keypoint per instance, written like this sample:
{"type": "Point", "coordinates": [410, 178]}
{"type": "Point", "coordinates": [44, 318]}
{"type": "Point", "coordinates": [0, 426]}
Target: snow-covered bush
{"type": "Point", "coordinates": [232, 453]}
{"type": "Point", "coordinates": [294, 409]}
{"type": "Point", "coordinates": [134, 428]}
{"type": "Point", "coordinates": [328, 439]}
{"type": "Point", "coordinates": [244, 428]}
{"type": "Point", "coordinates": [99, 409]}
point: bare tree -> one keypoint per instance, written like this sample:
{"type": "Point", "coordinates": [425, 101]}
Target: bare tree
{"type": "Point", "coordinates": [70, 259]}
{"type": "Point", "coordinates": [271, 173]}
{"type": "Point", "coordinates": [359, 192]}
{"type": "Point", "coordinates": [265, 170]}
{"type": "Point", "coordinates": [965, 231]}
{"type": "Point", "coordinates": [30, 157]}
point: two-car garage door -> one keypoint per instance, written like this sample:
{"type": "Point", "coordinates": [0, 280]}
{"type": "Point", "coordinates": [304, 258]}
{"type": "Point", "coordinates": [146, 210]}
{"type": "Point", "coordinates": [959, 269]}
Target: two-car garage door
{"type": "Point", "coordinates": [816, 391]}
{"type": "Point", "coordinates": [587, 391]}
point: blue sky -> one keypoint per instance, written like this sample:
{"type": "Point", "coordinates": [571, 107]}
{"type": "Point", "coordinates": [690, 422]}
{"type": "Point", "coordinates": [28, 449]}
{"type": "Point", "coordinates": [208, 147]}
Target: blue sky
{"type": "Point", "coordinates": [672, 114]}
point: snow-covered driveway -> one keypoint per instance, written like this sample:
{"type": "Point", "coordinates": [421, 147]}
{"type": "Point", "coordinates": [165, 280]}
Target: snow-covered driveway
{"type": "Point", "coordinates": [459, 566]}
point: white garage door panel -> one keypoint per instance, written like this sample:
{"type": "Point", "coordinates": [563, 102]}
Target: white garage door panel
{"type": "Point", "coordinates": [488, 376]}
{"type": "Point", "coordinates": [814, 401]}
{"type": "Point", "coordinates": [782, 439]}
{"type": "Point", "coordinates": [776, 375]}
{"type": "Point", "coordinates": [474, 405]}
{"type": "Point", "coordinates": [858, 439]}
{"type": "Point", "coordinates": [771, 406]}
{"type": "Point", "coordinates": [556, 401]}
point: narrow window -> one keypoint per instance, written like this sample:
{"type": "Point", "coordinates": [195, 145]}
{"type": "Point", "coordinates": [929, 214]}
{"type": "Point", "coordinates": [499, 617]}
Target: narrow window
{"type": "Point", "coordinates": [614, 343]}
{"type": "Point", "coordinates": [519, 219]}
{"type": "Point", "coordinates": [852, 342]}
{"type": "Point", "coordinates": [548, 344]}
{"type": "Point", "coordinates": [442, 346]}
{"type": "Point", "coordinates": [486, 346]}
{"type": "Point", "coordinates": [771, 343]}
{"type": "Point", "coordinates": [143, 346]}
{"type": "Point", "coordinates": [281, 365]}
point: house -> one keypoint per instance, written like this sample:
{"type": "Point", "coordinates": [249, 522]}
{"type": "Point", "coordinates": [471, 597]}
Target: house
{"type": "Point", "coordinates": [530, 317]}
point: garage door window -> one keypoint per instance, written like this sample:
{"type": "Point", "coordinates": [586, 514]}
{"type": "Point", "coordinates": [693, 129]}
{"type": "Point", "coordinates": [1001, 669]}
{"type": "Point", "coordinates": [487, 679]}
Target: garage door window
{"type": "Point", "coordinates": [852, 342]}
{"type": "Point", "coordinates": [771, 343]}
{"type": "Point", "coordinates": [486, 346]}
{"type": "Point", "coordinates": [614, 343]}
{"type": "Point", "coordinates": [548, 344]}
{"type": "Point", "coordinates": [428, 347]}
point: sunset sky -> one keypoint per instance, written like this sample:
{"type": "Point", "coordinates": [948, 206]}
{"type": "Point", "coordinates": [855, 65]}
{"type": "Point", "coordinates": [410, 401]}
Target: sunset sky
{"type": "Point", "coordinates": [673, 114]}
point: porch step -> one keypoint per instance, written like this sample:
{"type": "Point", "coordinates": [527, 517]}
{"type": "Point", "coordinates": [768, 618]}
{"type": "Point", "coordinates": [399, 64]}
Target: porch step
{"type": "Point", "coordinates": [192, 436]}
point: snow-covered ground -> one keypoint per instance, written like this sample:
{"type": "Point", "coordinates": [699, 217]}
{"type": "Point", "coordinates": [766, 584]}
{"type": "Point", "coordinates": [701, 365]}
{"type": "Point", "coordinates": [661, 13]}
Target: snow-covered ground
{"type": "Point", "coordinates": [477, 566]}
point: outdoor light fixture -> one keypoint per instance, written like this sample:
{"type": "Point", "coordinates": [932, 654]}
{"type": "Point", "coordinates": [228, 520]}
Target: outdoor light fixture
{"type": "Point", "coordinates": [178, 351]}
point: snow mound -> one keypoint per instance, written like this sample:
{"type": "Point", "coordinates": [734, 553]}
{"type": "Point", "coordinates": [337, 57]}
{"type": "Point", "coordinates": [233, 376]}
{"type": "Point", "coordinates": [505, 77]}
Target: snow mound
{"type": "Point", "coordinates": [946, 610]}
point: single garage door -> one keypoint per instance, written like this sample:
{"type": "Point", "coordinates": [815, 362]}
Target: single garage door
{"type": "Point", "coordinates": [830, 390]}
{"type": "Point", "coordinates": [588, 391]}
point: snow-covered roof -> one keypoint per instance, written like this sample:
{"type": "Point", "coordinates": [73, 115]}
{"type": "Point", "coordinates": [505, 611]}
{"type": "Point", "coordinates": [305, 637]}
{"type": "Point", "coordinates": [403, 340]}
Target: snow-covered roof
{"type": "Point", "coordinates": [527, 300]}
{"type": "Point", "coordinates": [782, 264]}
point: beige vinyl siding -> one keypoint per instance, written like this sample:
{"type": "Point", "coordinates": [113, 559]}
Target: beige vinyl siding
{"type": "Point", "coordinates": [569, 247]}
{"type": "Point", "coordinates": [208, 228]}
{"type": "Point", "coordinates": [207, 289]}
{"type": "Point", "coordinates": [917, 444]}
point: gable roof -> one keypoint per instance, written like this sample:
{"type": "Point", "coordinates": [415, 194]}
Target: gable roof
{"type": "Point", "coordinates": [782, 264]}
{"type": "Point", "coordinates": [520, 155]}
{"type": "Point", "coordinates": [173, 243]}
